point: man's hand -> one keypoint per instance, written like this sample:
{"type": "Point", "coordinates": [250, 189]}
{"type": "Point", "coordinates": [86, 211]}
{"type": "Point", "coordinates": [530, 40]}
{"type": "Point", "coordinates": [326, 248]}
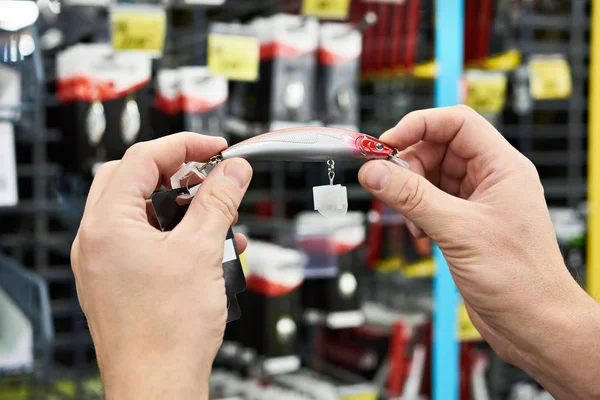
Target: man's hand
{"type": "Point", "coordinates": [155, 301]}
{"type": "Point", "coordinates": [482, 202]}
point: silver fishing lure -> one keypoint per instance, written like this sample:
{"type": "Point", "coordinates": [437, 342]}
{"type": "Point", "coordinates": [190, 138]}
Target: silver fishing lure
{"type": "Point", "coordinates": [302, 144]}
{"type": "Point", "coordinates": [312, 144]}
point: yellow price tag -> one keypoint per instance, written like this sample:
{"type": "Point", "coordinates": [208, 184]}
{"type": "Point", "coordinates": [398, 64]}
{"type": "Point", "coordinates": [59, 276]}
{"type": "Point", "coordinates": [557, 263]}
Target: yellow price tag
{"type": "Point", "coordinates": [140, 28]}
{"type": "Point", "coordinates": [549, 78]}
{"type": "Point", "coordinates": [234, 56]}
{"type": "Point", "coordinates": [244, 263]}
{"type": "Point", "coordinates": [466, 330]}
{"type": "Point", "coordinates": [420, 269]}
{"type": "Point", "coordinates": [330, 9]}
{"type": "Point", "coordinates": [426, 70]}
{"type": "Point", "coordinates": [507, 61]}
{"type": "Point", "coordinates": [366, 395]}
{"type": "Point", "coordinates": [486, 91]}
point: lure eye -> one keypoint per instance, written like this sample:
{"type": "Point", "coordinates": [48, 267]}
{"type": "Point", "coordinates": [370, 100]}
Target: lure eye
{"type": "Point", "coordinates": [379, 146]}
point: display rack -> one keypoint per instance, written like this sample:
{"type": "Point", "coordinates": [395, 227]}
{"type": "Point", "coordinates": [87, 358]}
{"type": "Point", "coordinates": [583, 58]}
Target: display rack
{"type": "Point", "coordinates": [42, 225]}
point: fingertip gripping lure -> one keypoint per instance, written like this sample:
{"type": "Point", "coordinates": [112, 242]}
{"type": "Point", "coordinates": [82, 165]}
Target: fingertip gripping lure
{"type": "Point", "coordinates": [306, 144]}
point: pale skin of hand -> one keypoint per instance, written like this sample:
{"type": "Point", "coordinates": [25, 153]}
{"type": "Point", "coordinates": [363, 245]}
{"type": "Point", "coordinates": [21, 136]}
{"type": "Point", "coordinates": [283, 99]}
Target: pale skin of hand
{"type": "Point", "coordinates": [483, 203]}
{"type": "Point", "coordinates": [155, 301]}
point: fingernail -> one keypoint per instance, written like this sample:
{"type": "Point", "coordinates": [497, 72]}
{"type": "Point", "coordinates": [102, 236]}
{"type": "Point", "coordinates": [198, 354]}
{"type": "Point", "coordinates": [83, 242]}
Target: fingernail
{"type": "Point", "coordinates": [376, 175]}
{"type": "Point", "coordinates": [239, 171]}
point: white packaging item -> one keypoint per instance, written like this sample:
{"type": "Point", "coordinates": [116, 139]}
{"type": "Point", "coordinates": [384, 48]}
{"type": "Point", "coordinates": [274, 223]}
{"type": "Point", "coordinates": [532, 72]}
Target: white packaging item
{"type": "Point", "coordinates": [10, 98]}
{"type": "Point", "coordinates": [16, 337]}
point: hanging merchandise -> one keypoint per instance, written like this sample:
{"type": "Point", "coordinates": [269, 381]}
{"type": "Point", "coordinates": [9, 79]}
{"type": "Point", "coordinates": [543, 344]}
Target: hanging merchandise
{"type": "Point", "coordinates": [10, 104]}
{"type": "Point", "coordinates": [549, 77]}
{"type": "Point", "coordinates": [105, 102]}
{"type": "Point", "coordinates": [391, 246]}
{"type": "Point", "coordinates": [16, 338]}
{"type": "Point", "coordinates": [400, 40]}
{"type": "Point", "coordinates": [284, 95]}
{"type": "Point", "coordinates": [271, 305]}
{"type": "Point", "coordinates": [522, 103]}
{"type": "Point", "coordinates": [203, 101]}
{"type": "Point", "coordinates": [330, 294]}
{"type": "Point", "coordinates": [390, 357]}
{"type": "Point", "coordinates": [233, 51]}
{"type": "Point", "coordinates": [486, 92]}
{"type": "Point", "coordinates": [466, 331]}
{"type": "Point", "coordinates": [571, 232]}
{"type": "Point", "coordinates": [138, 27]}
{"type": "Point", "coordinates": [168, 116]}
{"type": "Point", "coordinates": [340, 47]}
{"type": "Point", "coordinates": [478, 22]}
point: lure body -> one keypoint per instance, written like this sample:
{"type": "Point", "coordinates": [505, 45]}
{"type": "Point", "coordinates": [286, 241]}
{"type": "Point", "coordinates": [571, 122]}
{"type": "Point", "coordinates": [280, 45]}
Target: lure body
{"type": "Point", "coordinates": [312, 144]}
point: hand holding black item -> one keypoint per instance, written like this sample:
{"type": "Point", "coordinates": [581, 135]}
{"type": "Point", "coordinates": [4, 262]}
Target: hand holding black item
{"type": "Point", "coordinates": [155, 301]}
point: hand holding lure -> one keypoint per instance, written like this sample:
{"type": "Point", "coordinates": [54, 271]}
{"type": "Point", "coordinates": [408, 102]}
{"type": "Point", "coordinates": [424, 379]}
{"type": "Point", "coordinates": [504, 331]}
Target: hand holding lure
{"type": "Point", "coordinates": [306, 144]}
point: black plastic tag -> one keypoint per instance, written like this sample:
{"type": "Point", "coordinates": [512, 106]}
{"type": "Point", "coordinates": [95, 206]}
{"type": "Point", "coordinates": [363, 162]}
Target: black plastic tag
{"type": "Point", "coordinates": [169, 213]}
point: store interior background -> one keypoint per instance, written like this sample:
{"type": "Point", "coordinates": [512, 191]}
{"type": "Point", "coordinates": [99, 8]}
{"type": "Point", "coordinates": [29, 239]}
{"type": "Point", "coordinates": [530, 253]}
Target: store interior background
{"type": "Point", "coordinates": [81, 80]}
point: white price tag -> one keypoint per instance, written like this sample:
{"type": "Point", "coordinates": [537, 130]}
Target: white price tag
{"type": "Point", "coordinates": [8, 166]}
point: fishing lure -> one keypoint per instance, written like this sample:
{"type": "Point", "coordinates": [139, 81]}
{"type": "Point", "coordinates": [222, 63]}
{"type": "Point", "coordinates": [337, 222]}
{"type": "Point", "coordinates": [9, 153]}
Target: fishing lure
{"type": "Point", "coordinates": [311, 144]}
{"type": "Point", "coordinates": [306, 144]}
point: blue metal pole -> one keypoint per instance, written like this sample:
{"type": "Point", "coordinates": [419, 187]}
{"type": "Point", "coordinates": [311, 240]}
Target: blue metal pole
{"type": "Point", "coordinates": [449, 20]}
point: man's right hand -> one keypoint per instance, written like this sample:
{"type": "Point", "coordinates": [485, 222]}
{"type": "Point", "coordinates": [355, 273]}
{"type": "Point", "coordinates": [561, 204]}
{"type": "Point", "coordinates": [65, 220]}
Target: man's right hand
{"type": "Point", "coordinates": [482, 202]}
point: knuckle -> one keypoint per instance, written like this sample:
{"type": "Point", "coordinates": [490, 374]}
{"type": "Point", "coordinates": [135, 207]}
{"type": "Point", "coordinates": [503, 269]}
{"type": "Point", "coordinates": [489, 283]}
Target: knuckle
{"type": "Point", "coordinates": [222, 202]}
{"type": "Point", "coordinates": [465, 109]}
{"type": "Point", "coordinates": [413, 115]}
{"type": "Point", "coordinates": [92, 235]}
{"type": "Point", "coordinates": [411, 194]}
{"type": "Point", "coordinates": [529, 169]}
{"type": "Point", "coordinates": [136, 150]}
{"type": "Point", "coordinates": [530, 174]}
{"type": "Point", "coordinates": [106, 167]}
{"type": "Point", "coordinates": [74, 254]}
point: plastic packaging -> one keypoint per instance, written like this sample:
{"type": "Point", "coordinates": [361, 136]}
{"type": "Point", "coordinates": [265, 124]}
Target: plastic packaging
{"type": "Point", "coordinates": [330, 200]}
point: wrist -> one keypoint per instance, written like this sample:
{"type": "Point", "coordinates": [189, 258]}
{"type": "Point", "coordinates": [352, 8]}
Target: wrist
{"type": "Point", "coordinates": [149, 375]}
{"type": "Point", "coordinates": [560, 345]}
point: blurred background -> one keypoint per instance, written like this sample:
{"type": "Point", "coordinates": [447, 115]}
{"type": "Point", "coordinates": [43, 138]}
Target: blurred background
{"type": "Point", "coordinates": [341, 309]}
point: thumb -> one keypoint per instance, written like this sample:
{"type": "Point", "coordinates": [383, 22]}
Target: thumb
{"type": "Point", "coordinates": [412, 195]}
{"type": "Point", "coordinates": [214, 207]}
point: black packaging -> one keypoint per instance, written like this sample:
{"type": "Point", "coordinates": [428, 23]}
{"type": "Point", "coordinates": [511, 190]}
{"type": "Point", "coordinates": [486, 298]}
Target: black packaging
{"type": "Point", "coordinates": [272, 301]}
{"type": "Point", "coordinates": [203, 99]}
{"type": "Point", "coordinates": [340, 47]}
{"type": "Point", "coordinates": [105, 103]}
{"type": "Point", "coordinates": [331, 293]}
{"type": "Point", "coordinates": [340, 293]}
{"type": "Point", "coordinates": [169, 212]}
{"type": "Point", "coordinates": [285, 92]}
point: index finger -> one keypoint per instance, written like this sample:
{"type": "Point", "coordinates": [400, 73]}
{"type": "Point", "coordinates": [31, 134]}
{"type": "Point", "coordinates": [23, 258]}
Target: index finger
{"type": "Point", "coordinates": [465, 132]}
{"type": "Point", "coordinates": [145, 164]}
